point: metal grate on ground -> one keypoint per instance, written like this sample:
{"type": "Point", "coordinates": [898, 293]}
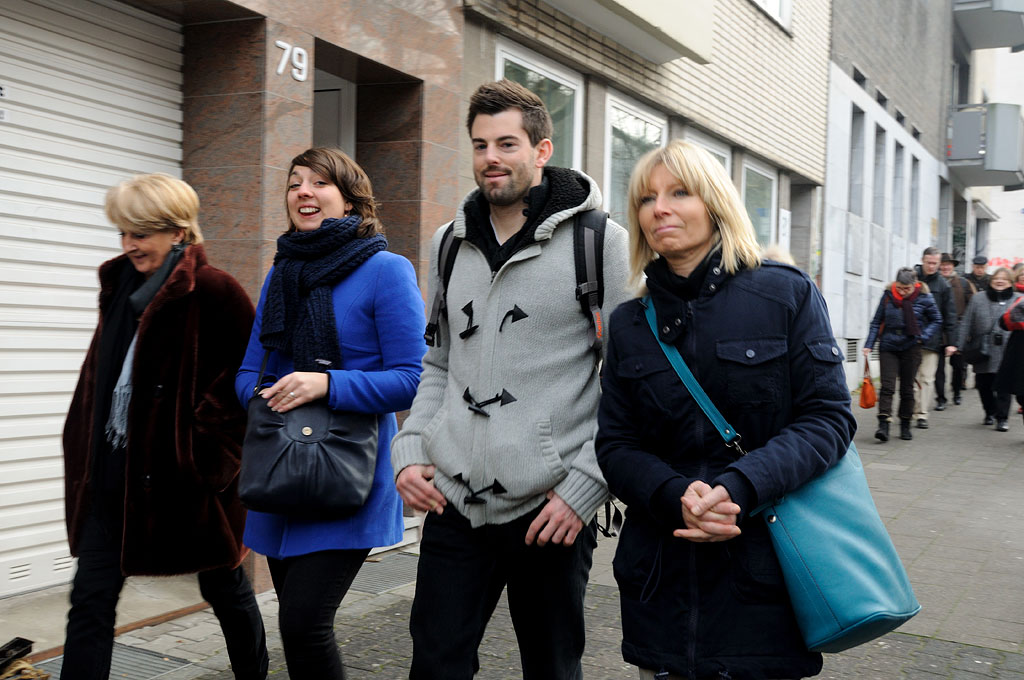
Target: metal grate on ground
{"type": "Point", "coordinates": [127, 663]}
{"type": "Point", "coordinates": [392, 571]}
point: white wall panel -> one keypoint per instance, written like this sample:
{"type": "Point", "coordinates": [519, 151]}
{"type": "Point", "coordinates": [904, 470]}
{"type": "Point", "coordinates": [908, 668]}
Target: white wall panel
{"type": "Point", "coordinates": [92, 95]}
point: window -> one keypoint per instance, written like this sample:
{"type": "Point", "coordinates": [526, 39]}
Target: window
{"type": "Point", "coordinates": [856, 205]}
{"type": "Point", "coordinates": [860, 78]}
{"type": "Point", "coordinates": [878, 204]}
{"type": "Point", "coordinates": [759, 197]}
{"type": "Point", "coordinates": [882, 100]}
{"type": "Point", "coordinates": [631, 131]}
{"type": "Point", "coordinates": [780, 10]}
{"type": "Point", "coordinates": [915, 195]}
{"type": "Point", "coordinates": [716, 147]}
{"type": "Point", "coordinates": [897, 191]}
{"type": "Point", "coordinates": [562, 92]}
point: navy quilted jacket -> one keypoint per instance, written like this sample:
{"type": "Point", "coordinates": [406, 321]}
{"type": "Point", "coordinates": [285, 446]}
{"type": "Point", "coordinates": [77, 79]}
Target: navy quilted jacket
{"type": "Point", "coordinates": [893, 339]}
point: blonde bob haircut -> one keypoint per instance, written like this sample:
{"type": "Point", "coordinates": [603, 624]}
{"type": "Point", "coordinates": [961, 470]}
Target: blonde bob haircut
{"type": "Point", "coordinates": [146, 204]}
{"type": "Point", "coordinates": [703, 176]}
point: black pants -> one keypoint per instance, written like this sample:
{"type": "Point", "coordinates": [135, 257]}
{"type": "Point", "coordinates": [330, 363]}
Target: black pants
{"type": "Point", "coordinates": [97, 587]}
{"type": "Point", "coordinates": [902, 366]}
{"type": "Point", "coordinates": [309, 590]}
{"type": "Point", "coordinates": [462, 572]}
{"type": "Point", "coordinates": [996, 404]}
{"type": "Point", "coordinates": [959, 375]}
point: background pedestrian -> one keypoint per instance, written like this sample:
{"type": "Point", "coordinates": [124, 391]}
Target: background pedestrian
{"type": "Point", "coordinates": [905, 319]}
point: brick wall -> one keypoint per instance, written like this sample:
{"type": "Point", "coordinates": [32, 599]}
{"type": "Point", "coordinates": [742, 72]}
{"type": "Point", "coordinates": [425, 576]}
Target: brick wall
{"type": "Point", "coordinates": [765, 88]}
{"type": "Point", "coordinates": [899, 46]}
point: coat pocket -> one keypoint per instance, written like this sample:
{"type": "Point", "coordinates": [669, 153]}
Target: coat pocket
{"type": "Point", "coordinates": [754, 372]}
{"type": "Point", "coordinates": [829, 376]}
{"type": "Point", "coordinates": [653, 383]}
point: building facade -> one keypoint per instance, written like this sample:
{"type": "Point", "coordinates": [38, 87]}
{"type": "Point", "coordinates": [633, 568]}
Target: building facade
{"type": "Point", "coordinates": [908, 150]}
{"type": "Point", "coordinates": [224, 93]}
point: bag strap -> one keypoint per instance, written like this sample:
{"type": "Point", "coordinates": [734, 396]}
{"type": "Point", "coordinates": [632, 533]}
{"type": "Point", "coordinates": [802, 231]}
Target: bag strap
{"type": "Point", "coordinates": [867, 368]}
{"type": "Point", "coordinates": [588, 253]}
{"type": "Point", "coordinates": [728, 432]}
{"type": "Point", "coordinates": [445, 264]}
{"type": "Point", "coordinates": [263, 369]}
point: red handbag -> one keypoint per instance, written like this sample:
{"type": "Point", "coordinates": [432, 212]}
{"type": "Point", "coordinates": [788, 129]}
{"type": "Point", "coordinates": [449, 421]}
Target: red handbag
{"type": "Point", "coordinates": [867, 388]}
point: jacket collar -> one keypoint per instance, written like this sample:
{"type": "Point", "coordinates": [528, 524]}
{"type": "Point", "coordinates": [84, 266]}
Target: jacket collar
{"type": "Point", "coordinates": [180, 282]}
{"type": "Point", "coordinates": [672, 309]}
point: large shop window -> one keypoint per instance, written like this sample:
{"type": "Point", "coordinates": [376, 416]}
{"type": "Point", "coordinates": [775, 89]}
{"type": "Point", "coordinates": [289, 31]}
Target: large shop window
{"type": "Point", "coordinates": [561, 90]}
{"type": "Point", "coordinates": [631, 131]}
{"type": "Point", "coordinates": [759, 196]}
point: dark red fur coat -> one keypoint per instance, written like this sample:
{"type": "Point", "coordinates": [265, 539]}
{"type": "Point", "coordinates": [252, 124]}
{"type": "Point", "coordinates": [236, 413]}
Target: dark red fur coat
{"type": "Point", "coordinates": [185, 426]}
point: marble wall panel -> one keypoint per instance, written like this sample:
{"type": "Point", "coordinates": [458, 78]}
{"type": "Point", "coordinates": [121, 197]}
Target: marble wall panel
{"type": "Point", "coordinates": [393, 168]}
{"type": "Point", "coordinates": [224, 57]}
{"type": "Point", "coordinates": [240, 258]}
{"type": "Point", "coordinates": [389, 112]}
{"type": "Point", "coordinates": [287, 129]}
{"type": "Point", "coordinates": [440, 168]}
{"type": "Point", "coordinates": [402, 226]}
{"type": "Point", "coordinates": [444, 115]}
{"type": "Point", "coordinates": [223, 130]}
{"type": "Point", "coordinates": [229, 201]}
{"type": "Point", "coordinates": [287, 83]}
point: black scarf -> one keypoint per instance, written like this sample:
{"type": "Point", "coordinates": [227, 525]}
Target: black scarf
{"type": "Point", "coordinates": [997, 295]}
{"type": "Point", "coordinates": [298, 311]}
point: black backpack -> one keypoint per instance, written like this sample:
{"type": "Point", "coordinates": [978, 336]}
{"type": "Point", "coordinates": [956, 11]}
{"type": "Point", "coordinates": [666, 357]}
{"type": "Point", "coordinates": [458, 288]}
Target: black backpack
{"type": "Point", "coordinates": [588, 252]}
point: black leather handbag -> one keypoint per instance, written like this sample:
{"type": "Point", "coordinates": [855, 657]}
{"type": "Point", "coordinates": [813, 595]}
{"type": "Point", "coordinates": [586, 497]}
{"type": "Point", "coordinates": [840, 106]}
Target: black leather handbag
{"type": "Point", "coordinates": [311, 462]}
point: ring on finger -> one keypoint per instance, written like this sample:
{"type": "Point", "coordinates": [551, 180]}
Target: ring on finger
{"type": "Point", "coordinates": [291, 394]}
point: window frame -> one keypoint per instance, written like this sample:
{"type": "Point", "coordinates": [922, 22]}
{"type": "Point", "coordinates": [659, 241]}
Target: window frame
{"type": "Point", "coordinates": [772, 173]}
{"type": "Point", "coordinates": [712, 144]}
{"type": "Point", "coordinates": [506, 49]}
{"type": "Point", "coordinates": [628, 105]}
{"type": "Point", "coordinates": [783, 17]}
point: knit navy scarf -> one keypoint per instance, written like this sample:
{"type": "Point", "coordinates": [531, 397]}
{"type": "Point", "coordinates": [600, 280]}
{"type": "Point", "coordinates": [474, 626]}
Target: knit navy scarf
{"type": "Point", "coordinates": [298, 311]}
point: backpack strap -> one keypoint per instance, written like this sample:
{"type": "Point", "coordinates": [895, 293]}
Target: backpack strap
{"type": "Point", "coordinates": [445, 264]}
{"type": "Point", "coordinates": [588, 251]}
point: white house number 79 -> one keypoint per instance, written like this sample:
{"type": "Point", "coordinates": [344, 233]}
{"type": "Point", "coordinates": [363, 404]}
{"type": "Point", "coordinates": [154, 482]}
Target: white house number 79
{"type": "Point", "coordinates": [298, 57]}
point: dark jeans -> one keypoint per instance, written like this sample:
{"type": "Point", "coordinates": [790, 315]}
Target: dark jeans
{"type": "Point", "coordinates": [996, 404]}
{"type": "Point", "coordinates": [309, 590]}
{"type": "Point", "coordinates": [97, 587]}
{"type": "Point", "coordinates": [959, 374]}
{"type": "Point", "coordinates": [903, 366]}
{"type": "Point", "coordinates": [462, 572]}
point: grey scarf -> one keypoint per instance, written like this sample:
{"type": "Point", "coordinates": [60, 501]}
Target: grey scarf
{"type": "Point", "coordinates": [117, 423]}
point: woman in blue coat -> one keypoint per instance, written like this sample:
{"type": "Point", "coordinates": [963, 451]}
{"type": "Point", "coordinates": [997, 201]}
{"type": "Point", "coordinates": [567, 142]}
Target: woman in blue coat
{"type": "Point", "coordinates": [333, 294]}
{"type": "Point", "coordinates": [906, 318]}
{"type": "Point", "coordinates": [700, 587]}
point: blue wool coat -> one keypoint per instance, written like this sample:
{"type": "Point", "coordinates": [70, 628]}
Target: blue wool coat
{"type": "Point", "coordinates": [760, 345]}
{"type": "Point", "coordinates": [379, 313]}
{"type": "Point", "coordinates": [893, 339]}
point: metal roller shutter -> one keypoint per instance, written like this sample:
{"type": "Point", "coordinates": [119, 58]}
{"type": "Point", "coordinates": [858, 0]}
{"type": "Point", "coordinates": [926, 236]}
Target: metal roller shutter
{"type": "Point", "coordinates": [91, 94]}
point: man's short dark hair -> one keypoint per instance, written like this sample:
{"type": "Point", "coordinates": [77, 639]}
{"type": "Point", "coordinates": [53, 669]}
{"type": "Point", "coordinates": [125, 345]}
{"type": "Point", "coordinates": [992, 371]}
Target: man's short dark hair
{"type": "Point", "coordinates": [493, 98]}
{"type": "Point", "coordinates": [930, 250]}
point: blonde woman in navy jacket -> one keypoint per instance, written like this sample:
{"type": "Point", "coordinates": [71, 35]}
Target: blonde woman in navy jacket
{"type": "Point", "coordinates": [334, 293]}
{"type": "Point", "coordinates": [700, 587]}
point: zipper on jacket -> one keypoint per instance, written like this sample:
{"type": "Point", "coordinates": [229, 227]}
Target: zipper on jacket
{"type": "Point", "coordinates": [691, 647]}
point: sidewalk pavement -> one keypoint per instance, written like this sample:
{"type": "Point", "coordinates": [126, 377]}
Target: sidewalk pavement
{"type": "Point", "coordinates": [951, 499]}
